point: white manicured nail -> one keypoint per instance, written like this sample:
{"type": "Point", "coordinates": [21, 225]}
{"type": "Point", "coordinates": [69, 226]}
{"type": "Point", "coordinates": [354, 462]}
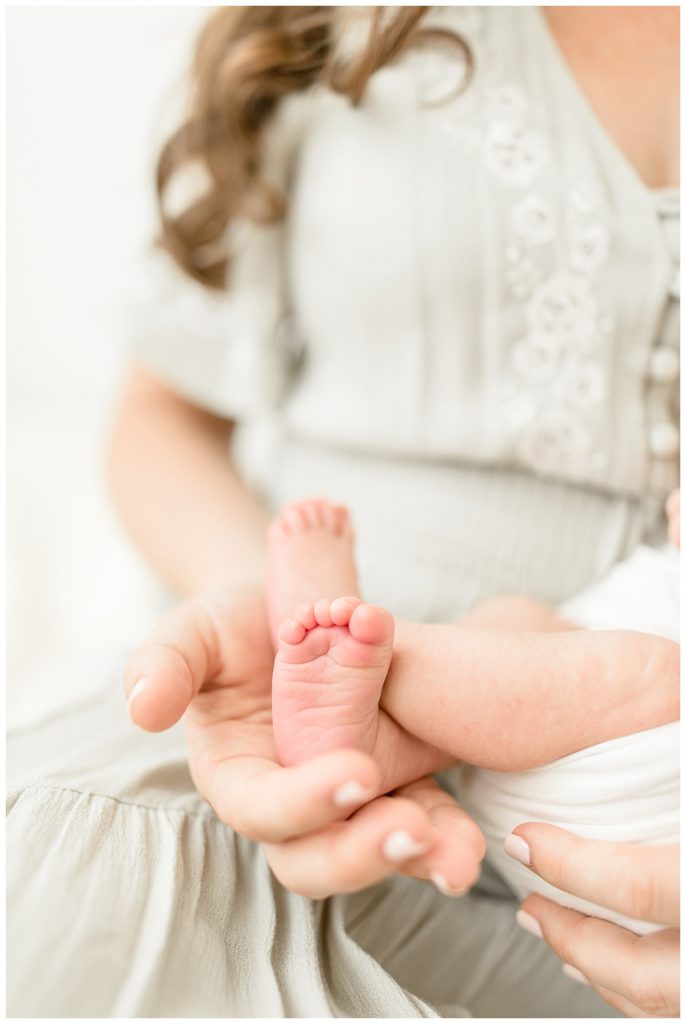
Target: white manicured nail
{"type": "Point", "coordinates": [529, 923]}
{"type": "Point", "coordinates": [441, 883]}
{"type": "Point", "coordinates": [400, 846]}
{"type": "Point", "coordinates": [137, 690]}
{"type": "Point", "coordinates": [518, 850]}
{"type": "Point", "coordinates": [575, 974]}
{"type": "Point", "coordinates": [351, 793]}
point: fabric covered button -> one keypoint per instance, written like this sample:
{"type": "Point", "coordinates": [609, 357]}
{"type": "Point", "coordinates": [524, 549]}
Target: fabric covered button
{"type": "Point", "coordinates": [663, 440]}
{"type": "Point", "coordinates": [664, 365]}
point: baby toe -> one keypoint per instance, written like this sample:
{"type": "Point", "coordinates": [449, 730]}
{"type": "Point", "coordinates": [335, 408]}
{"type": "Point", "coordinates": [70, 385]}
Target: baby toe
{"type": "Point", "coordinates": [322, 612]}
{"type": "Point", "coordinates": [294, 517]}
{"type": "Point", "coordinates": [342, 608]}
{"type": "Point", "coordinates": [292, 632]}
{"type": "Point", "coordinates": [342, 521]}
{"type": "Point", "coordinates": [304, 613]}
{"type": "Point", "coordinates": [313, 512]}
{"type": "Point", "coordinates": [329, 515]}
{"type": "Point", "coordinates": [371, 624]}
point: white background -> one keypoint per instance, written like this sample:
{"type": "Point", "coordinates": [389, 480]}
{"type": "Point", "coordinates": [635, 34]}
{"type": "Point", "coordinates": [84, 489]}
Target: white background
{"type": "Point", "coordinates": [90, 92]}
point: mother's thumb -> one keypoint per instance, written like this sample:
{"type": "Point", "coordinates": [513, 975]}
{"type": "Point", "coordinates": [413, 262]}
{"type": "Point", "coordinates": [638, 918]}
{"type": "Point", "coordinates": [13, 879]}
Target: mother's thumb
{"type": "Point", "coordinates": [168, 669]}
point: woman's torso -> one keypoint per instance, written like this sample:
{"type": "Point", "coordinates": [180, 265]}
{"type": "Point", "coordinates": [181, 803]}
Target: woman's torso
{"type": "Point", "coordinates": [484, 296]}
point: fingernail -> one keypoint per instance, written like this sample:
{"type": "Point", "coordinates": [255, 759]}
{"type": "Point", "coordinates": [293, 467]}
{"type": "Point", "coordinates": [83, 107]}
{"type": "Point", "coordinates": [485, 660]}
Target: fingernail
{"type": "Point", "coordinates": [575, 974]}
{"type": "Point", "coordinates": [529, 923]}
{"type": "Point", "coordinates": [400, 845]}
{"type": "Point", "coordinates": [518, 849]}
{"type": "Point", "coordinates": [137, 690]}
{"type": "Point", "coordinates": [441, 883]}
{"type": "Point", "coordinates": [351, 793]}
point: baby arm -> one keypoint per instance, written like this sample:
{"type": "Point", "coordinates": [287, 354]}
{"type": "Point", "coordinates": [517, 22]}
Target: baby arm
{"type": "Point", "coordinates": [509, 700]}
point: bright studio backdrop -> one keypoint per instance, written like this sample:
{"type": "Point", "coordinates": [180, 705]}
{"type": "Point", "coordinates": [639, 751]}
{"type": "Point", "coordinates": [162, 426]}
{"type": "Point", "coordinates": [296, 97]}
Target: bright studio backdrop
{"type": "Point", "coordinates": [88, 91]}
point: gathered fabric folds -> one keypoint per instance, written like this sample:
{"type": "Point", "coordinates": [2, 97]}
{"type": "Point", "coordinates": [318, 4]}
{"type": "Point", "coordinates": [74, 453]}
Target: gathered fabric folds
{"type": "Point", "coordinates": [127, 897]}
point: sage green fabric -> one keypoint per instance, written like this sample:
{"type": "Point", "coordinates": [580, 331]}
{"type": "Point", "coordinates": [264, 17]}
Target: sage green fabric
{"type": "Point", "coordinates": [466, 328]}
{"type": "Point", "coordinates": [128, 898]}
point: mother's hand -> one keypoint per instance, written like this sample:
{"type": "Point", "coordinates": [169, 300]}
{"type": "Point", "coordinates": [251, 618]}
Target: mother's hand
{"type": "Point", "coordinates": [638, 975]}
{"type": "Point", "coordinates": [212, 657]}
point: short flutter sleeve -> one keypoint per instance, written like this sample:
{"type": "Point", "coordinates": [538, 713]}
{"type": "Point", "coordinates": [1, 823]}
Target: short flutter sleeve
{"type": "Point", "coordinates": [229, 352]}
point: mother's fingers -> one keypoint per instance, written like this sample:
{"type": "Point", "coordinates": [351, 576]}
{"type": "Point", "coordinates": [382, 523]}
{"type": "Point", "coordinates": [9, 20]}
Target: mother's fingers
{"type": "Point", "coordinates": [353, 854]}
{"type": "Point", "coordinates": [639, 971]}
{"type": "Point", "coordinates": [167, 670]}
{"type": "Point", "coordinates": [420, 831]}
{"type": "Point", "coordinates": [268, 803]}
{"type": "Point", "coordinates": [639, 881]}
{"type": "Point", "coordinates": [454, 861]}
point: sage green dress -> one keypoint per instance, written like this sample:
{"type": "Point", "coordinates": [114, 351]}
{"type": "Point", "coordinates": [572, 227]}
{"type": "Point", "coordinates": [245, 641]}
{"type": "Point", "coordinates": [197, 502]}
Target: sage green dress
{"type": "Point", "coordinates": [466, 330]}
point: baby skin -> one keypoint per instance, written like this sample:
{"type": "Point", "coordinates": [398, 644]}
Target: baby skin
{"type": "Point", "coordinates": [511, 687]}
{"type": "Point", "coordinates": [333, 652]}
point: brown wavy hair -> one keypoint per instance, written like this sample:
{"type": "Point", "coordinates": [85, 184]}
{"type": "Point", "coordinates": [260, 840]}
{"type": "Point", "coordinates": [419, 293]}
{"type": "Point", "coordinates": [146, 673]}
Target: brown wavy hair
{"type": "Point", "coordinates": [246, 60]}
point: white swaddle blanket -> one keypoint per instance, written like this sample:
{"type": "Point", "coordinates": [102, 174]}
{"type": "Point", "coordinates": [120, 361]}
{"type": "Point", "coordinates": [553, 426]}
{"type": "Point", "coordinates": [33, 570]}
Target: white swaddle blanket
{"type": "Point", "coordinates": [624, 790]}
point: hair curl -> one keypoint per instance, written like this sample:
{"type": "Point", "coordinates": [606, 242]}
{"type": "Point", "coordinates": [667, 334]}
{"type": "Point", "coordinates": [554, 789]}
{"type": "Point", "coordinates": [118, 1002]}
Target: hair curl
{"type": "Point", "coordinates": [246, 60]}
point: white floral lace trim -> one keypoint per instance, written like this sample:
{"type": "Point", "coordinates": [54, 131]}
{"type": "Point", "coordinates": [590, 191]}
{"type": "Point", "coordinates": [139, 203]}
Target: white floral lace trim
{"type": "Point", "coordinates": [554, 398]}
{"type": "Point", "coordinates": [556, 385]}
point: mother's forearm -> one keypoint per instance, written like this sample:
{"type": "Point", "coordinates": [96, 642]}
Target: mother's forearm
{"type": "Point", "coordinates": [515, 700]}
{"type": "Point", "coordinates": [177, 493]}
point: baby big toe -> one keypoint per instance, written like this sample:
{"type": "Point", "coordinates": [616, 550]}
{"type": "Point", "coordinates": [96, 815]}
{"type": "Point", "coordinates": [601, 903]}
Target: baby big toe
{"type": "Point", "coordinates": [371, 625]}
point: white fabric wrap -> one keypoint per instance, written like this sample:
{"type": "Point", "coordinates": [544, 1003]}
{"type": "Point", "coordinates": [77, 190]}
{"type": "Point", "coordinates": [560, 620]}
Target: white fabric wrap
{"type": "Point", "coordinates": [623, 791]}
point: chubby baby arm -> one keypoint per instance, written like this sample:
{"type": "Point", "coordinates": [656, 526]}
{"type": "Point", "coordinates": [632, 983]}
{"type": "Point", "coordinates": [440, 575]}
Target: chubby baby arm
{"type": "Point", "coordinates": [509, 700]}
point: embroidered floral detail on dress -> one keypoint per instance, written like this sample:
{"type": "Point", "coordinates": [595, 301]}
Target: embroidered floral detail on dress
{"type": "Point", "coordinates": [557, 442]}
{"type": "Point", "coordinates": [506, 102]}
{"type": "Point", "coordinates": [554, 389]}
{"type": "Point", "coordinates": [560, 361]}
{"type": "Point", "coordinates": [536, 357]}
{"type": "Point", "coordinates": [533, 220]}
{"type": "Point", "coordinates": [513, 153]}
{"type": "Point", "coordinates": [588, 248]}
{"type": "Point", "coordinates": [522, 273]}
{"type": "Point", "coordinates": [564, 307]}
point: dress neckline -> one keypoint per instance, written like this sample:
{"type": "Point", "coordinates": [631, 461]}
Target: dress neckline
{"type": "Point", "coordinates": [660, 193]}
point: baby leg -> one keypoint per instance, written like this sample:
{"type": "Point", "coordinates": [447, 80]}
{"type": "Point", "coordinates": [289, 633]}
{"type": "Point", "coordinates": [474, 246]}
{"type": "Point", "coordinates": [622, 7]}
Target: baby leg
{"type": "Point", "coordinates": [509, 700]}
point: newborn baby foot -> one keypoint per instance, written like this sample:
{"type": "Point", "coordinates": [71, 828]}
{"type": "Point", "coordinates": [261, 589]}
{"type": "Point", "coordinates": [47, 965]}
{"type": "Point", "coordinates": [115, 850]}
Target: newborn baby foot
{"type": "Point", "coordinates": [330, 667]}
{"type": "Point", "coordinates": [333, 655]}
